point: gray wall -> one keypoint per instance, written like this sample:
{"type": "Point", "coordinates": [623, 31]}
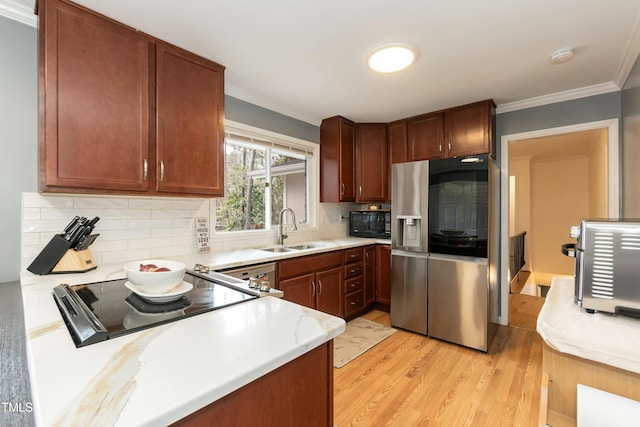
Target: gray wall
{"type": "Point", "coordinates": [253, 115]}
{"type": "Point", "coordinates": [631, 143]}
{"type": "Point", "coordinates": [18, 135]}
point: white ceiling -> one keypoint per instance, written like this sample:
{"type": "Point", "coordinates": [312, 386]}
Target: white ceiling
{"type": "Point", "coordinates": [306, 59]}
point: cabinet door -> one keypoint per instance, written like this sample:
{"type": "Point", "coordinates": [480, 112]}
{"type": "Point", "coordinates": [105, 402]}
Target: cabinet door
{"type": "Point", "coordinates": [300, 290]}
{"type": "Point", "coordinates": [397, 139]}
{"type": "Point", "coordinates": [425, 135]}
{"type": "Point", "coordinates": [372, 164]}
{"type": "Point", "coordinates": [383, 274]}
{"type": "Point", "coordinates": [190, 123]}
{"type": "Point", "coordinates": [329, 296]}
{"type": "Point", "coordinates": [468, 129]}
{"type": "Point", "coordinates": [94, 77]}
{"type": "Point", "coordinates": [397, 142]}
{"type": "Point", "coordinates": [369, 275]}
{"type": "Point", "coordinates": [337, 155]}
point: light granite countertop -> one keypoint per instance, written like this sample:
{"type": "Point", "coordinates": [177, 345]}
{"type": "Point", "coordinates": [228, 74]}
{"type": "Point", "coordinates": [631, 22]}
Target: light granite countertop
{"type": "Point", "coordinates": [162, 374]}
{"type": "Point", "coordinates": [602, 337]}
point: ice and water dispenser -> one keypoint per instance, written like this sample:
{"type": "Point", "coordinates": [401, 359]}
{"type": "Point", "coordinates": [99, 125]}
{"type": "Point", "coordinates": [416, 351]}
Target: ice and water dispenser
{"type": "Point", "coordinates": [409, 231]}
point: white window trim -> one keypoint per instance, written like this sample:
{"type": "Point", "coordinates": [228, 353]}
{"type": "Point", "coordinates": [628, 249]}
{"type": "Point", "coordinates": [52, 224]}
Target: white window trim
{"type": "Point", "coordinates": [313, 176]}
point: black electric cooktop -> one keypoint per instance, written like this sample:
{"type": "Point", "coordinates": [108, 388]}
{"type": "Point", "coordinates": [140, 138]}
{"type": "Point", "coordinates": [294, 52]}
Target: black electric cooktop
{"type": "Point", "coordinates": [98, 311]}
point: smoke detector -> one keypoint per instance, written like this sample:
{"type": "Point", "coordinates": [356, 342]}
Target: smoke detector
{"type": "Point", "coordinates": [561, 55]}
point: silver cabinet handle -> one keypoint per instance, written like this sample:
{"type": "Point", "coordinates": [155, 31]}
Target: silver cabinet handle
{"type": "Point", "coordinates": [361, 190]}
{"type": "Point", "coordinates": [145, 170]}
{"type": "Point", "coordinates": [161, 170]}
{"type": "Point", "coordinates": [449, 144]}
{"type": "Point", "coordinates": [341, 188]}
{"type": "Point", "coordinates": [440, 147]}
{"type": "Point", "coordinates": [320, 285]}
{"type": "Point", "coordinates": [355, 302]}
{"type": "Point", "coordinates": [313, 289]}
{"type": "Point", "coordinates": [366, 257]}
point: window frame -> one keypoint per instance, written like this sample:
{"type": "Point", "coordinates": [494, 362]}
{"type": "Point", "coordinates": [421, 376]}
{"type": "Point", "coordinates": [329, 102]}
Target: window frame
{"type": "Point", "coordinates": [313, 175]}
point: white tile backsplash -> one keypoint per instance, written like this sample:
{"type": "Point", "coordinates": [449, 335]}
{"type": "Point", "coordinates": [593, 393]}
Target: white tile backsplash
{"type": "Point", "coordinates": [139, 227]}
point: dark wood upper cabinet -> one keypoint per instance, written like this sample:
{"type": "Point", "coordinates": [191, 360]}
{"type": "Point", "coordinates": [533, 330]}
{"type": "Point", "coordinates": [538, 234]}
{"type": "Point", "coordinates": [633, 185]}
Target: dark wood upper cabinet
{"type": "Point", "coordinates": [337, 160]}
{"type": "Point", "coordinates": [397, 140]}
{"type": "Point", "coordinates": [190, 123]}
{"type": "Point", "coordinates": [425, 137]}
{"type": "Point", "coordinates": [455, 132]}
{"type": "Point", "coordinates": [469, 129]}
{"type": "Point", "coordinates": [99, 131]}
{"type": "Point", "coordinates": [94, 101]}
{"type": "Point", "coordinates": [372, 163]}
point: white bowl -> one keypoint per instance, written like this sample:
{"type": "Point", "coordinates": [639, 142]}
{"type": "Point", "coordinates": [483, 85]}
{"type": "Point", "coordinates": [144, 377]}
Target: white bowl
{"type": "Point", "coordinates": [155, 282]}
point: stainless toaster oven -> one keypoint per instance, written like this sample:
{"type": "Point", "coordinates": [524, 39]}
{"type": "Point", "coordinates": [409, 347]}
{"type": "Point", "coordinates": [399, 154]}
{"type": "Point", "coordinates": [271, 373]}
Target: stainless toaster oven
{"type": "Point", "coordinates": [607, 265]}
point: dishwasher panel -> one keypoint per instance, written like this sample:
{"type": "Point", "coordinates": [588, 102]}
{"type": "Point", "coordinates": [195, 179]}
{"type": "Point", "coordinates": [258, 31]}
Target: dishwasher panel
{"type": "Point", "coordinates": [458, 301]}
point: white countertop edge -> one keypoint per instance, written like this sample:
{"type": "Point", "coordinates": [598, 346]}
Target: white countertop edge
{"type": "Point", "coordinates": [600, 337]}
{"type": "Point", "coordinates": [277, 331]}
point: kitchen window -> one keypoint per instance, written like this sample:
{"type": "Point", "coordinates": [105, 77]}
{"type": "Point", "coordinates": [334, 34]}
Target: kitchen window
{"type": "Point", "coordinates": [264, 173]}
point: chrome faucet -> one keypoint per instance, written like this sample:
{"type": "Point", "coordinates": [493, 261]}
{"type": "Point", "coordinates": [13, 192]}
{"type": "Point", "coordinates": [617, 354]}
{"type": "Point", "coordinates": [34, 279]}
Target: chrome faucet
{"type": "Point", "coordinates": [282, 231]}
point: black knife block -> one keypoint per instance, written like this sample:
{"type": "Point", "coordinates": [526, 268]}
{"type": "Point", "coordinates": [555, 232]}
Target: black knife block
{"type": "Point", "coordinates": [58, 257]}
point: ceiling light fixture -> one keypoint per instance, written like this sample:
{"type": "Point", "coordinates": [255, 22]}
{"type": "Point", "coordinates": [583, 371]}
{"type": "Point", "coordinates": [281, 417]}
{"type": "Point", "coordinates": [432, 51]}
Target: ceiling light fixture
{"type": "Point", "coordinates": [391, 57]}
{"type": "Point", "coordinates": [561, 55]}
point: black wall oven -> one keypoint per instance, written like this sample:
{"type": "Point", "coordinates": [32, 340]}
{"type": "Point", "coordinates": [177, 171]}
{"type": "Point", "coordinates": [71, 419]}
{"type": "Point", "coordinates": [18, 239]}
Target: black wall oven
{"type": "Point", "coordinates": [370, 223]}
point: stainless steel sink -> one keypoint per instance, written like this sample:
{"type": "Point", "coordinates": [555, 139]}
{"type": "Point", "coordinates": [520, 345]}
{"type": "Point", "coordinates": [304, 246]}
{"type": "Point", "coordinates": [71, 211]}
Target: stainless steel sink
{"type": "Point", "coordinates": [278, 249]}
{"type": "Point", "coordinates": [302, 246]}
{"type": "Point", "coordinates": [291, 248]}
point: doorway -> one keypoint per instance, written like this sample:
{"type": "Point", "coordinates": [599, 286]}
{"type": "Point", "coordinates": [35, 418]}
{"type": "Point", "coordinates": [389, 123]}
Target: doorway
{"type": "Point", "coordinates": [550, 180]}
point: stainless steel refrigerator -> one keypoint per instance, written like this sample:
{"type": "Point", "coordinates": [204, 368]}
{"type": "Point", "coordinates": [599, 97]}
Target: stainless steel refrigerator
{"type": "Point", "coordinates": [409, 255]}
{"type": "Point", "coordinates": [444, 248]}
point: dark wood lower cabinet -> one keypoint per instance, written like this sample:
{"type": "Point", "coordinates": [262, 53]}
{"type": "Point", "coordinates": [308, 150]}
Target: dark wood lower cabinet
{"type": "Point", "coordinates": [329, 291]}
{"type": "Point", "coordinates": [299, 393]}
{"type": "Point", "coordinates": [342, 286]}
{"type": "Point", "coordinates": [383, 275]}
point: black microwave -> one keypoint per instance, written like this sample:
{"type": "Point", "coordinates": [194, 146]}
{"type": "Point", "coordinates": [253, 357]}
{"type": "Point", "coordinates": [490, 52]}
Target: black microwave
{"type": "Point", "coordinates": [370, 223]}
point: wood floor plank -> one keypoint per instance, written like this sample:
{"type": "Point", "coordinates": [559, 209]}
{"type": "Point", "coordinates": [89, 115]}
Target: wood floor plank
{"type": "Point", "coordinates": [412, 380]}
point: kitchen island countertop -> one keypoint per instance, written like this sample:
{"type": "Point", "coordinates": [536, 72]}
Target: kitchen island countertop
{"type": "Point", "coordinates": [600, 337]}
{"type": "Point", "coordinates": [160, 375]}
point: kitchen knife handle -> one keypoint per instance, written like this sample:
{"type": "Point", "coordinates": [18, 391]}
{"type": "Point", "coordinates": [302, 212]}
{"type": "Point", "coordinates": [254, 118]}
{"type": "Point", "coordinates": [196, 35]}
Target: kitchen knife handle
{"type": "Point", "coordinates": [161, 170]}
{"type": "Point", "coordinates": [145, 170]}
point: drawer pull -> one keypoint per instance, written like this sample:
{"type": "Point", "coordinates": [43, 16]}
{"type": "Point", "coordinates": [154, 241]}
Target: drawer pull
{"type": "Point", "coordinates": [355, 302]}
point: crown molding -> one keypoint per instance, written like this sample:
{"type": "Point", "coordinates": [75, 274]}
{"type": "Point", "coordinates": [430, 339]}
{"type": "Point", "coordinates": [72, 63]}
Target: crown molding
{"type": "Point", "coordinates": [629, 57]}
{"type": "Point", "coordinates": [18, 12]}
{"type": "Point", "coordinates": [552, 98]}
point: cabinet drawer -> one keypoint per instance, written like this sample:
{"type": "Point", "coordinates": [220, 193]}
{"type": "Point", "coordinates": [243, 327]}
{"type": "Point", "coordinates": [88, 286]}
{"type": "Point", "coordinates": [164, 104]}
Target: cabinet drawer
{"type": "Point", "coordinates": [354, 284]}
{"type": "Point", "coordinates": [352, 255]}
{"type": "Point", "coordinates": [352, 270]}
{"type": "Point", "coordinates": [353, 302]}
{"type": "Point", "coordinates": [308, 264]}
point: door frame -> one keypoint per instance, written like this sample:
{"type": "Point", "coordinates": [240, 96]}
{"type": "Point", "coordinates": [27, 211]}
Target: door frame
{"type": "Point", "coordinates": [614, 169]}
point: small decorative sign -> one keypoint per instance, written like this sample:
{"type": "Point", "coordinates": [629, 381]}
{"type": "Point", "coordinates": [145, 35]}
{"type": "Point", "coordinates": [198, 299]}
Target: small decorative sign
{"type": "Point", "coordinates": [202, 235]}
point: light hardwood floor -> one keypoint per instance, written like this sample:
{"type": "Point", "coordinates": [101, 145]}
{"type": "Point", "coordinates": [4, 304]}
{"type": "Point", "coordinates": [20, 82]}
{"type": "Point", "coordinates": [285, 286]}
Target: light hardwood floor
{"type": "Point", "coordinates": [413, 380]}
